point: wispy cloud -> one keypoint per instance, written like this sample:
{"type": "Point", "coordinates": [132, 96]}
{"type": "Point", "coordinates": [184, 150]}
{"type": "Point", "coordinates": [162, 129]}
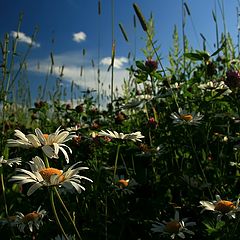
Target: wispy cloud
{"type": "Point", "coordinates": [79, 37]}
{"type": "Point", "coordinates": [72, 71]}
{"type": "Point", "coordinates": [118, 62]}
{"type": "Point", "coordinates": [22, 37]}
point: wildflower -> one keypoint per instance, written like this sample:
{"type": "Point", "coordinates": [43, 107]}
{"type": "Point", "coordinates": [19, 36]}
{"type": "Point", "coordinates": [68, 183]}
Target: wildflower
{"type": "Point", "coordinates": [152, 122]}
{"type": "Point", "coordinates": [136, 136]}
{"type": "Point", "coordinates": [120, 117]}
{"type": "Point", "coordinates": [79, 108]}
{"type": "Point", "coordinates": [9, 162]}
{"type": "Point", "coordinates": [221, 207]}
{"type": "Point", "coordinates": [30, 220]}
{"type": "Point", "coordinates": [182, 117]}
{"type": "Point", "coordinates": [233, 79]}
{"type": "Point", "coordinates": [151, 65]}
{"type": "Point", "coordinates": [216, 86]}
{"type": "Point", "coordinates": [174, 228]}
{"type": "Point", "coordinates": [50, 144]}
{"type": "Point", "coordinates": [122, 183]}
{"type": "Point", "coordinates": [40, 176]}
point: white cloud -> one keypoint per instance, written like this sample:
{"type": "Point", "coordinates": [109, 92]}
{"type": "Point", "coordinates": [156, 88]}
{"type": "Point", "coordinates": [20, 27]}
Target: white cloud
{"type": "Point", "coordinates": [79, 37]}
{"type": "Point", "coordinates": [118, 62]}
{"type": "Point", "coordinates": [22, 37]}
{"type": "Point", "coordinates": [72, 69]}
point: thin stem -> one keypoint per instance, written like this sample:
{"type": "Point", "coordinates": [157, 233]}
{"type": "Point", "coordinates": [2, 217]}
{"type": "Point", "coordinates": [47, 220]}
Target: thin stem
{"type": "Point", "coordinates": [66, 210]}
{"type": "Point", "coordinates": [5, 201]}
{"type": "Point", "coordinates": [183, 35]}
{"type": "Point", "coordinates": [4, 193]}
{"type": "Point", "coordinates": [198, 161]}
{"type": "Point", "coordinates": [56, 215]}
{"type": "Point", "coordinates": [46, 161]}
{"type": "Point", "coordinates": [116, 161]}
{"type": "Point", "coordinates": [113, 53]}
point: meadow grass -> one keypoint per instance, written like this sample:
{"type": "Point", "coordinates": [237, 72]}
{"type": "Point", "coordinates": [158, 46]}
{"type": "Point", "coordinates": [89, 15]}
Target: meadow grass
{"type": "Point", "coordinates": [161, 161]}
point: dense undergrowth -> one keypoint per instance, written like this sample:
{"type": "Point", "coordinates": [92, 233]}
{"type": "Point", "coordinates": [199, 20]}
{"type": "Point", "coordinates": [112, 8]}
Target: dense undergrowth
{"type": "Point", "coordinates": [159, 155]}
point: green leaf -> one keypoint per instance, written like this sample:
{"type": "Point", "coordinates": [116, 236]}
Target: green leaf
{"type": "Point", "coordinates": [140, 65]}
{"type": "Point", "coordinates": [220, 49]}
{"type": "Point", "coordinates": [198, 56]}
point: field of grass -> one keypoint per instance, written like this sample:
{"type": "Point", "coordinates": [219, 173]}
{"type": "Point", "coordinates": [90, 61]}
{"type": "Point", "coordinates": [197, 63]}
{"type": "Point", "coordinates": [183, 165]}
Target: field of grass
{"type": "Point", "coordinates": [161, 161]}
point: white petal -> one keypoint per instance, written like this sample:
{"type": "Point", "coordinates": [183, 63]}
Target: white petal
{"type": "Point", "coordinates": [49, 151]}
{"type": "Point", "coordinates": [61, 137]}
{"type": "Point", "coordinates": [34, 140]}
{"type": "Point", "coordinates": [33, 188]}
{"type": "Point", "coordinates": [20, 135]}
{"type": "Point", "coordinates": [65, 154]}
{"type": "Point", "coordinates": [40, 136]}
{"type": "Point", "coordinates": [208, 205]}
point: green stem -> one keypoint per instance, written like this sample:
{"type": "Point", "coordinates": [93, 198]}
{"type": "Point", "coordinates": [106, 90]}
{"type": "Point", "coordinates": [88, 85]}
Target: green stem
{"type": "Point", "coordinates": [66, 210]}
{"type": "Point", "coordinates": [116, 161]}
{"type": "Point", "coordinates": [56, 215]}
{"type": "Point", "coordinates": [4, 193]}
{"type": "Point", "coordinates": [198, 161]}
{"type": "Point", "coordinates": [46, 161]}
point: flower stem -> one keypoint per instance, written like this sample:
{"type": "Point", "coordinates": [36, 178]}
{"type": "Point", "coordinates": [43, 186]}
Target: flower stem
{"type": "Point", "coordinates": [46, 161]}
{"type": "Point", "coordinates": [5, 201]}
{"type": "Point", "coordinates": [4, 193]}
{"type": "Point", "coordinates": [66, 210]}
{"type": "Point", "coordinates": [198, 161]}
{"type": "Point", "coordinates": [56, 216]}
{"type": "Point", "coordinates": [116, 161]}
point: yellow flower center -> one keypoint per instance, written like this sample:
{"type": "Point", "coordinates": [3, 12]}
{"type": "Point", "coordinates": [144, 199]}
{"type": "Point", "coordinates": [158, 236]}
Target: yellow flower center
{"type": "Point", "coordinates": [186, 117]}
{"type": "Point", "coordinates": [46, 173]}
{"type": "Point", "coordinates": [123, 183]}
{"type": "Point", "coordinates": [224, 206]}
{"type": "Point", "coordinates": [172, 227]}
{"type": "Point", "coordinates": [31, 217]}
{"type": "Point", "coordinates": [45, 136]}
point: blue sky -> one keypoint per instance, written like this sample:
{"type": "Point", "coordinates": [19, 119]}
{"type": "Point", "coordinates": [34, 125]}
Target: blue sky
{"type": "Point", "coordinates": [60, 20]}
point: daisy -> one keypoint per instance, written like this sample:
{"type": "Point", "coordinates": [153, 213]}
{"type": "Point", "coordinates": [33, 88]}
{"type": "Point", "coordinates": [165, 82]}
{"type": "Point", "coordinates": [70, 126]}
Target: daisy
{"type": "Point", "coordinates": [174, 228]}
{"type": "Point", "coordinates": [9, 162]}
{"type": "Point", "coordinates": [40, 176]}
{"type": "Point", "coordinates": [50, 144]}
{"type": "Point", "coordinates": [221, 207]}
{"type": "Point", "coordinates": [30, 220]}
{"type": "Point", "coordinates": [136, 136]}
{"type": "Point", "coordinates": [183, 117]}
{"type": "Point", "coordinates": [216, 86]}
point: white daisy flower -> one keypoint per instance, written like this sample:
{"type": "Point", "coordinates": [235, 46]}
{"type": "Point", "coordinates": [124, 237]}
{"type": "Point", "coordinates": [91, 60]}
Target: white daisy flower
{"type": "Point", "coordinates": [174, 228]}
{"type": "Point", "coordinates": [216, 86]}
{"type": "Point", "coordinates": [9, 162]}
{"type": "Point", "coordinates": [183, 117]}
{"type": "Point", "coordinates": [50, 144]}
{"type": "Point", "coordinates": [40, 176]}
{"type": "Point", "coordinates": [136, 136]}
{"type": "Point", "coordinates": [31, 220]}
{"type": "Point", "coordinates": [221, 207]}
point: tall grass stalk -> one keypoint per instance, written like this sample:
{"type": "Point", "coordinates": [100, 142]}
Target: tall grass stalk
{"type": "Point", "coordinates": [184, 35]}
{"type": "Point", "coordinates": [98, 54]}
{"type": "Point", "coordinates": [113, 50]}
